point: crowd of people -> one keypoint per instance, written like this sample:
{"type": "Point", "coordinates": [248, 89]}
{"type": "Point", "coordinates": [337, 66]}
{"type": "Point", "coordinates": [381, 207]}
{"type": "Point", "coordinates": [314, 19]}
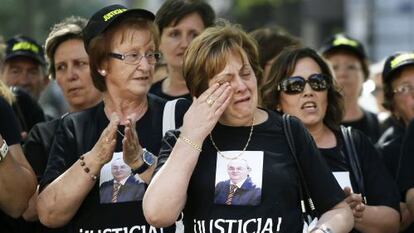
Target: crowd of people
{"type": "Point", "coordinates": [181, 122]}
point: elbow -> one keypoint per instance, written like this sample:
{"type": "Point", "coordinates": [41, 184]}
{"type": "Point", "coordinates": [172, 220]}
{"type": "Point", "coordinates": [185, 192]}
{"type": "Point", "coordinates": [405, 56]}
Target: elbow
{"type": "Point", "coordinates": [47, 215]}
{"type": "Point", "coordinates": [157, 219]}
{"type": "Point", "coordinates": [15, 211]}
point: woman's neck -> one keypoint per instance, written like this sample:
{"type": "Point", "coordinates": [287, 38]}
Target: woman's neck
{"type": "Point", "coordinates": [175, 84]}
{"type": "Point", "coordinates": [353, 111]}
{"type": "Point", "coordinates": [260, 116]}
{"type": "Point", "coordinates": [322, 135]}
{"type": "Point", "coordinates": [126, 109]}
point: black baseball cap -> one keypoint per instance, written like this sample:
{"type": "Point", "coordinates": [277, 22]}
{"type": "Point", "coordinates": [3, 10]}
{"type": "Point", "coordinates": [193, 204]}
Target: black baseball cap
{"type": "Point", "coordinates": [102, 19]}
{"type": "Point", "coordinates": [342, 41]}
{"type": "Point", "coordinates": [396, 62]}
{"type": "Point", "coordinates": [23, 46]}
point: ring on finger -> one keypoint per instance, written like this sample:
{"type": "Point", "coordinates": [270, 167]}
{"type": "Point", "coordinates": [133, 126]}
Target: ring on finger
{"type": "Point", "coordinates": [210, 101]}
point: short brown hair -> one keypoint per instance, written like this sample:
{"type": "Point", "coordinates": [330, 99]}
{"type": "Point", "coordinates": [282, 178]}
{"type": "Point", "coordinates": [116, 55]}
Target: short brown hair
{"type": "Point", "coordinates": [100, 46]}
{"type": "Point", "coordinates": [172, 11]}
{"type": "Point", "coordinates": [69, 28]}
{"type": "Point", "coordinates": [207, 54]}
{"type": "Point", "coordinates": [284, 66]}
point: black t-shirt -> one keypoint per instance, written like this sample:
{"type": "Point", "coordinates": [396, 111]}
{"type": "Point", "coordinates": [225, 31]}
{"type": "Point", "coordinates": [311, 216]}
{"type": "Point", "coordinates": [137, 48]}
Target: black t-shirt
{"type": "Point", "coordinates": [156, 89]}
{"type": "Point", "coordinates": [274, 171]}
{"type": "Point", "coordinates": [10, 131]}
{"type": "Point", "coordinates": [27, 110]}
{"type": "Point", "coordinates": [406, 174]}
{"type": "Point", "coordinates": [76, 135]}
{"type": "Point", "coordinates": [380, 188]}
{"type": "Point", "coordinates": [368, 124]}
{"type": "Point", "coordinates": [38, 144]}
{"type": "Point", "coordinates": [9, 128]}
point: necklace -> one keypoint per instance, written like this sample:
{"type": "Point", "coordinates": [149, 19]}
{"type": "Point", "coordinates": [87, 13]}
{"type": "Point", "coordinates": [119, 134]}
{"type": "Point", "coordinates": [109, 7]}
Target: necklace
{"type": "Point", "coordinates": [244, 149]}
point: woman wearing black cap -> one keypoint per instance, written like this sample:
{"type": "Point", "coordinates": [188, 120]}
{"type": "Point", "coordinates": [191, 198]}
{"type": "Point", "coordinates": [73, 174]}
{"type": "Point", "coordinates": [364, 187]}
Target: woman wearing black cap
{"type": "Point", "coordinates": [398, 83]}
{"type": "Point", "coordinates": [82, 185]}
{"type": "Point", "coordinates": [349, 62]}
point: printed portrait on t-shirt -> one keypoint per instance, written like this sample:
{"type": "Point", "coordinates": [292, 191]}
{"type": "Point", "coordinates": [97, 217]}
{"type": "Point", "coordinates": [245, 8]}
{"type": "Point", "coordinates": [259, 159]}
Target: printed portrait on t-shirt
{"type": "Point", "coordinates": [239, 178]}
{"type": "Point", "coordinates": [118, 184]}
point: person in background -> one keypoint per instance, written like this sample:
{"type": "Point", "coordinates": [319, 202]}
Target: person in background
{"type": "Point", "coordinates": [22, 70]}
{"type": "Point", "coordinates": [398, 84]}
{"type": "Point", "coordinates": [24, 65]}
{"type": "Point", "coordinates": [179, 22]}
{"type": "Point", "coordinates": [17, 179]}
{"type": "Point", "coordinates": [301, 84]}
{"type": "Point", "coordinates": [122, 47]}
{"type": "Point", "coordinates": [350, 65]}
{"type": "Point", "coordinates": [225, 123]}
{"type": "Point", "coordinates": [271, 41]}
{"type": "Point", "coordinates": [69, 66]}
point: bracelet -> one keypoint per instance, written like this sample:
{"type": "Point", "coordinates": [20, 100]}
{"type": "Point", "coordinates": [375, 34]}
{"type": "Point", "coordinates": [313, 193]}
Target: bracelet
{"type": "Point", "coordinates": [189, 142]}
{"type": "Point", "coordinates": [85, 168]}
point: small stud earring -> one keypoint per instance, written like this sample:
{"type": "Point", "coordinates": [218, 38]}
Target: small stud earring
{"type": "Point", "coordinates": [103, 72]}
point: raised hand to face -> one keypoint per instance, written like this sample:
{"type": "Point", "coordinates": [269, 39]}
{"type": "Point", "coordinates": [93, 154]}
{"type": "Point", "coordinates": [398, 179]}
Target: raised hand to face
{"type": "Point", "coordinates": [205, 111]}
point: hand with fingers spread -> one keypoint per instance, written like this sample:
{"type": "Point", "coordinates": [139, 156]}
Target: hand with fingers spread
{"type": "Point", "coordinates": [355, 202]}
{"type": "Point", "coordinates": [130, 146]}
{"type": "Point", "coordinates": [105, 146]}
{"type": "Point", "coordinates": [205, 111]}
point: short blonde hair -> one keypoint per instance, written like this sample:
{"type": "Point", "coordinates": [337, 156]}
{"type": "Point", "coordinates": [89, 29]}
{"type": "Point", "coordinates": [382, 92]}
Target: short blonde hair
{"type": "Point", "coordinates": [207, 54]}
{"type": "Point", "coordinates": [6, 93]}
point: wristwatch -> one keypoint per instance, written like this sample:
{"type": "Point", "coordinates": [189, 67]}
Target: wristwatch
{"type": "Point", "coordinates": [149, 160]}
{"type": "Point", "coordinates": [3, 150]}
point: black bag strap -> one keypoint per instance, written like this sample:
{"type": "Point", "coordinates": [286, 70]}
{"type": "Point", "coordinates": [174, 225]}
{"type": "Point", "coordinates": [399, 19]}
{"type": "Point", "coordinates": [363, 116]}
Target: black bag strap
{"type": "Point", "coordinates": [303, 187]}
{"type": "Point", "coordinates": [353, 160]}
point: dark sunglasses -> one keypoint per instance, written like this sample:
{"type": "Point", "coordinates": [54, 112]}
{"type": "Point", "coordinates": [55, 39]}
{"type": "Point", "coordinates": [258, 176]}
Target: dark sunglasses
{"type": "Point", "coordinates": [296, 84]}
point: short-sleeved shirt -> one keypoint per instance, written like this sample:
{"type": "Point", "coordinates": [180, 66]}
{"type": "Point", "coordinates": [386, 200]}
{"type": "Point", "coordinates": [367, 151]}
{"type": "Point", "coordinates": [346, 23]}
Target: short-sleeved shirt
{"type": "Point", "coordinates": [380, 188]}
{"type": "Point", "coordinates": [76, 135]}
{"type": "Point", "coordinates": [272, 170]}
{"type": "Point", "coordinates": [368, 124]}
{"type": "Point", "coordinates": [156, 89]}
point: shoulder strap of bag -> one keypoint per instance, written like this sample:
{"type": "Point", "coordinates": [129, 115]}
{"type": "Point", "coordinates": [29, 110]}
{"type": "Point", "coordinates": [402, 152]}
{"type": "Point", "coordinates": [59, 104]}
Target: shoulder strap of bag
{"type": "Point", "coordinates": [168, 118]}
{"type": "Point", "coordinates": [303, 187]}
{"type": "Point", "coordinates": [353, 159]}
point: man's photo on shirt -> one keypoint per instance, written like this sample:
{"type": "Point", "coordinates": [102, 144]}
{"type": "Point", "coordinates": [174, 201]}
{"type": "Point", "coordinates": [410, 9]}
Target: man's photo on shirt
{"type": "Point", "coordinates": [239, 178]}
{"type": "Point", "coordinates": [118, 184]}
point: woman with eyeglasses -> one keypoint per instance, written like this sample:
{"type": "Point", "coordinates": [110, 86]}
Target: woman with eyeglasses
{"type": "Point", "coordinates": [102, 158]}
{"type": "Point", "coordinates": [301, 84]}
{"type": "Point", "coordinates": [350, 65]}
{"type": "Point", "coordinates": [398, 84]}
{"type": "Point", "coordinates": [229, 169]}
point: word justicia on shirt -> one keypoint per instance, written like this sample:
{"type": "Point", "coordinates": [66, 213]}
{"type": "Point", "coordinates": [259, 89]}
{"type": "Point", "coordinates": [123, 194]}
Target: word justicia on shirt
{"type": "Point", "coordinates": [257, 225]}
{"type": "Point", "coordinates": [133, 229]}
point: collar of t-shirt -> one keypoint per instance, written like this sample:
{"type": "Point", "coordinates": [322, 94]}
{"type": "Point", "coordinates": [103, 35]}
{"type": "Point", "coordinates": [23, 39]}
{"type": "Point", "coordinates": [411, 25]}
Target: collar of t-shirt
{"type": "Point", "coordinates": [122, 182]}
{"type": "Point", "coordinates": [239, 184]}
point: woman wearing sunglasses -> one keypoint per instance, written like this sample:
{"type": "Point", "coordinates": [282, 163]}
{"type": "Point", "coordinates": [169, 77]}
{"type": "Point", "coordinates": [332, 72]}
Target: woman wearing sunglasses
{"type": "Point", "coordinates": [301, 84]}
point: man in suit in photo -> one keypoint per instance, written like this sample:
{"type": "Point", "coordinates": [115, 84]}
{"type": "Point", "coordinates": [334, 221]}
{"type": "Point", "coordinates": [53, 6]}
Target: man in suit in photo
{"type": "Point", "coordinates": [239, 189]}
{"type": "Point", "coordinates": [123, 187]}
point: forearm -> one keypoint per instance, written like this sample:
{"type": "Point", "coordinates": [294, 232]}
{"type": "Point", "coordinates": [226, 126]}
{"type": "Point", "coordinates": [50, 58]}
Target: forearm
{"type": "Point", "coordinates": [17, 183]}
{"type": "Point", "coordinates": [409, 197]}
{"type": "Point", "coordinates": [61, 199]}
{"type": "Point", "coordinates": [168, 189]}
{"type": "Point", "coordinates": [378, 219]}
{"type": "Point", "coordinates": [339, 219]}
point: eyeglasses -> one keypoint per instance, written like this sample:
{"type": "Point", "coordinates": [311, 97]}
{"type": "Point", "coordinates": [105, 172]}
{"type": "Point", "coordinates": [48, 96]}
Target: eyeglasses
{"type": "Point", "coordinates": [134, 58]}
{"type": "Point", "coordinates": [404, 90]}
{"type": "Point", "coordinates": [296, 84]}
